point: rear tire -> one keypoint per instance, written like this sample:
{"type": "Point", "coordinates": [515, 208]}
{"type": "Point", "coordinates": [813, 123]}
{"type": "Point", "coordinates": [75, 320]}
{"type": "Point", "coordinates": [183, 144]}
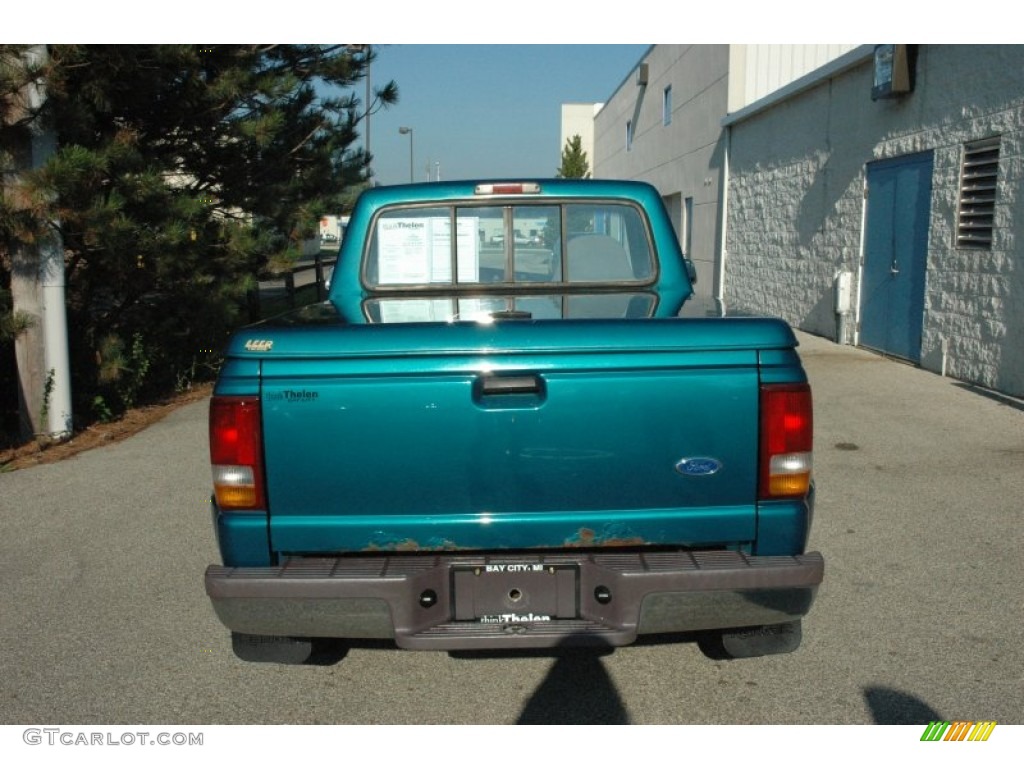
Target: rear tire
{"type": "Point", "coordinates": [750, 642]}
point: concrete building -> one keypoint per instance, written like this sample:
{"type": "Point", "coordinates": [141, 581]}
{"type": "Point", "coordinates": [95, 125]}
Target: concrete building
{"type": "Point", "coordinates": [892, 173]}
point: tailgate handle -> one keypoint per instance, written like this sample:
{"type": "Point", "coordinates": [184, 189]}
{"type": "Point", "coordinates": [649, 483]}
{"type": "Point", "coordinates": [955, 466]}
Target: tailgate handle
{"type": "Point", "coordinates": [511, 385]}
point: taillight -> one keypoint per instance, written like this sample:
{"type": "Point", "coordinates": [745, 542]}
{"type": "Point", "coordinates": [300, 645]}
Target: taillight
{"type": "Point", "coordinates": [236, 453]}
{"type": "Point", "coordinates": [787, 437]}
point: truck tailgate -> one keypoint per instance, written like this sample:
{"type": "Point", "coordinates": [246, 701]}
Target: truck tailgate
{"type": "Point", "coordinates": [489, 446]}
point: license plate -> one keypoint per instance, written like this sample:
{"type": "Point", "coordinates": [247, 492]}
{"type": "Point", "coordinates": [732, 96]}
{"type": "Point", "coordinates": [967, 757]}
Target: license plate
{"type": "Point", "coordinates": [515, 593]}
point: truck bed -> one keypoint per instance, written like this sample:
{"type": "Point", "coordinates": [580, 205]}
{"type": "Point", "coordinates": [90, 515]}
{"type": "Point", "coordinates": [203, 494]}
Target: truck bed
{"type": "Point", "coordinates": [517, 435]}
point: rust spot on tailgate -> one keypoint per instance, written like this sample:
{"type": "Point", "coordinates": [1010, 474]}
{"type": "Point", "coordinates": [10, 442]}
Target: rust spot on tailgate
{"type": "Point", "coordinates": [610, 536]}
{"type": "Point", "coordinates": [613, 536]}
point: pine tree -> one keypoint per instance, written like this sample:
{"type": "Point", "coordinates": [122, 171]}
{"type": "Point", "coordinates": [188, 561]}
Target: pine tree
{"type": "Point", "coordinates": [574, 160]}
{"type": "Point", "coordinates": [181, 173]}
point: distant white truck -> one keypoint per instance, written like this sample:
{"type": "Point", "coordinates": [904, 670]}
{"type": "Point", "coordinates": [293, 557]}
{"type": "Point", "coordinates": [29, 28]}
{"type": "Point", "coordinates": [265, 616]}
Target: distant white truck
{"type": "Point", "coordinates": [332, 228]}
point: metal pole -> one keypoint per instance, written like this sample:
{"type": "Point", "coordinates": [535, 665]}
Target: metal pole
{"type": "Point", "coordinates": [403, 130]}
{"type": "Point", "coordinates": [56, 362]}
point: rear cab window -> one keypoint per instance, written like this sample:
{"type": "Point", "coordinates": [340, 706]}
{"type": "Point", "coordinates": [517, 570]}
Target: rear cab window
{"type": "Point", "coordinates": [538, 260]}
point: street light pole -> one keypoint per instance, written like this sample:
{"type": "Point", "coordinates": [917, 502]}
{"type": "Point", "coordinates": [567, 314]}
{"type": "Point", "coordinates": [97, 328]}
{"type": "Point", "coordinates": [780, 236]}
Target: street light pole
{"type": "Point", "coordinates": [404, 130]}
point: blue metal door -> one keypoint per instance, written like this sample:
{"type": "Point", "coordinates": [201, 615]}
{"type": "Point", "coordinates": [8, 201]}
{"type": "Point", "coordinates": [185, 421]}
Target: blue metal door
{"type": "Point", "coordinates": [895, 255]}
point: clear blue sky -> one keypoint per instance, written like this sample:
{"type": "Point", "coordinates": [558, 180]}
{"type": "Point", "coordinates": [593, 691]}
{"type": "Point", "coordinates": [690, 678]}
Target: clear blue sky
{"type": "Point", "coordinates": [486, 110]}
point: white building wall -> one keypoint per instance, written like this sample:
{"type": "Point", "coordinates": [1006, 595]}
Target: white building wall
{"type": "Point", "coordinates": [682, 159]}
{"type": "Point", "coordinates": [796, 203]}
{"type": "Point", "coordinates": [759, 70]}
{"type": "Point", "coordinates": [578, 120]}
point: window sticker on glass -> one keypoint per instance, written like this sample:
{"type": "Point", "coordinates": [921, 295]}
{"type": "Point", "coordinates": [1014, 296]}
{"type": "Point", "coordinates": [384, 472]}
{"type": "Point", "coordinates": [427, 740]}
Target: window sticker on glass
{"type": "Point", "coordinates": [417, 250]}
{"type": "Point", "coordinates": [468, 248]}
{"type": "Point", "coordinates": [404, 250]}
{"type": "Point", "coordinates": [440, 249]}
{"type": "Point", "coordinates": [414, 250]}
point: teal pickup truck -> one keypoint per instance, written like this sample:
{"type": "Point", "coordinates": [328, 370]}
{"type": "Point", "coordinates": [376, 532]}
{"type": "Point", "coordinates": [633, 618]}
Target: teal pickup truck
{"type": "Point", "coordinates": [501, 432]}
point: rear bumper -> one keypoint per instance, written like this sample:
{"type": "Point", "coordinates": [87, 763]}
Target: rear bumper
{"type": "Point", "coordinates": [463, 602]}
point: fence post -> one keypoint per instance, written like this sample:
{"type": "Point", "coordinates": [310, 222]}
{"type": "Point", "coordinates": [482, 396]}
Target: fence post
{"type": "Point", "coordinates": [252, 297]}
{"type": "Point", "coordinates": [320, 293]}
{"type": "Point", "coordinates": [289, 289]}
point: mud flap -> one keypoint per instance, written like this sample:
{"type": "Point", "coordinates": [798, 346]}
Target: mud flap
{"type": "Point", "coordinates": [750, 642]}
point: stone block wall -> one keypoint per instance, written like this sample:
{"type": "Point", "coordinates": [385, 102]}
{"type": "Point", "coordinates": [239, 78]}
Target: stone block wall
{"type": "Point", "coordinates": [796, 203]}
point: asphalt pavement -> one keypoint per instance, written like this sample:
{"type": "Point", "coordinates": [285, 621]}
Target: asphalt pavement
{"type": "Point", "coordinates": [103, 617]}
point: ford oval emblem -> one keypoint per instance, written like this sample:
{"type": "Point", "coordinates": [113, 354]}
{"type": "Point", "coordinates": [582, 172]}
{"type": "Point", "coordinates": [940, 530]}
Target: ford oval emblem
{"type": "Point", "coordinates": [698, 466]}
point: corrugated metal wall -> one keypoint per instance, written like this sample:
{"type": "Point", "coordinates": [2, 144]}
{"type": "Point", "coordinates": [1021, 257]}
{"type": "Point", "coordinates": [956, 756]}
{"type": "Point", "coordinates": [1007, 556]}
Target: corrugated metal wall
{"type": "Point", "coordinates": [762, 69]}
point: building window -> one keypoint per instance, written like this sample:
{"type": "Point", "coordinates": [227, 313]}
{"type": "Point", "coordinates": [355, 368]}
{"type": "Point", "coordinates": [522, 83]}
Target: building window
{"type": "Point", "coordinates": [666, 105]}
{"type": "Point", "coordinates": [629, 135]}
{"type": "Point", "coordinates": [976, 211]}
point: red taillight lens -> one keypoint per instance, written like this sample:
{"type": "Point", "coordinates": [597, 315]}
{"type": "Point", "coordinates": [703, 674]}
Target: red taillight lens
{"type": "Point", "coordinates": [787, 440]}
{"type": "Point", "coordinates": [236, 452]}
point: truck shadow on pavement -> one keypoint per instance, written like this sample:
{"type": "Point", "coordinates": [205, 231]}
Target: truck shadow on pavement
{"type": "Point", "coordinates": [577, 691]}
{"type": "Point", "coordinates": [891, 707]}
